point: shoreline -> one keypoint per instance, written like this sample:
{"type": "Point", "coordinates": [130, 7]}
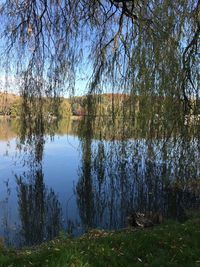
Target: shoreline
{"type": "Point", "coordinates": [168, 244]}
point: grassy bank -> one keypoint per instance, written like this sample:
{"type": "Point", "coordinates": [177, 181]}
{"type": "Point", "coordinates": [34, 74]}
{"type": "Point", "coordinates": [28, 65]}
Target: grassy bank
{"type": "Point", "coordinates": [170, 244]}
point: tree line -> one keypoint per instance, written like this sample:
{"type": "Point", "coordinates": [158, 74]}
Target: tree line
{"type": "Point", "coordinates": [109, 104]}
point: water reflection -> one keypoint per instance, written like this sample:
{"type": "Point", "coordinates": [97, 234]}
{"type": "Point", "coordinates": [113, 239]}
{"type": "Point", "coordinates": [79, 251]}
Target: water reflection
{"type": "Point", "coordinates": [39, 209]}
{"type": "Point", "coordinates": [84, 188]}
{"type": "Point", "coordinates": [122, 168]}
{"type": "Point", "coordinates": [129, 173]}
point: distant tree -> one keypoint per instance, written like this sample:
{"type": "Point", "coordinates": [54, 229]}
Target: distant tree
{"type": "Point", "coordinates": [65, 109]}
{"type": "Point", "coordinates": [15, 108]}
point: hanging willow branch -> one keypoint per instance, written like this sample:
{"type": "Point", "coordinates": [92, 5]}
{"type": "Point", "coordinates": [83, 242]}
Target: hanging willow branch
{"type": "Point", "coordinates": [189, 55]}
{"type": "Point", "coordinates": [134, 45]}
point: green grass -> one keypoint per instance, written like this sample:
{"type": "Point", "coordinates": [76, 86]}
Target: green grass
{"type": "Point", "coordinates": [170, 244]}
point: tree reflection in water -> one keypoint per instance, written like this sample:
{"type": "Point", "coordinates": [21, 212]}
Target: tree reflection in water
{"type": "Point", "coordinates": [128, 164]}
{"type": "Point", "coordinates": [39, 208]}
{"type": "Point", "coordinates": [123, 171]}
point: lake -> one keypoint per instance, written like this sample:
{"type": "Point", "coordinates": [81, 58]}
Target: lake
{"type": "Point", "coordinates": [68, 180]}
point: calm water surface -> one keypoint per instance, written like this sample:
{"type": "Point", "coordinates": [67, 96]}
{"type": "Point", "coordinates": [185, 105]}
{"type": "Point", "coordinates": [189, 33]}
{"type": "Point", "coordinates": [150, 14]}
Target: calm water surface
{"type": "Point", "coordinates": [79, 182]}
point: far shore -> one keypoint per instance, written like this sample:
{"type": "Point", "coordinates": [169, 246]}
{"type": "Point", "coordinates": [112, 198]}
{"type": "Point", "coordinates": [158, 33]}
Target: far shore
{"type": "Point", "coordinates": [8, 117]}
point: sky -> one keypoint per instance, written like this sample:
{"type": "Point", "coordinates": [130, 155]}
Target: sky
{"type": "Point", "coordinates": [10, 82]}
{"type": "Point", "coordinates": [10, 85]}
